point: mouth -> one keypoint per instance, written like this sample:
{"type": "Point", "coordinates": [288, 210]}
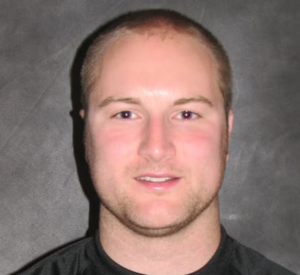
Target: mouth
{"type": "Point", "coordinates": [154, 179]}
{"type": "Point", "coordinates": [158, 183]}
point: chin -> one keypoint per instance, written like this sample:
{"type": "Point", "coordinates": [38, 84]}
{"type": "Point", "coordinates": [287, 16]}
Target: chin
{"type": "Point", "coordinates": [160, 220]}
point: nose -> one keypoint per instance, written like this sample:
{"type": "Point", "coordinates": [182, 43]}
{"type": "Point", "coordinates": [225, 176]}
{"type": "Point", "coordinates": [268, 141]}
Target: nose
{"type": "Point", "coordinates": [156, 144]}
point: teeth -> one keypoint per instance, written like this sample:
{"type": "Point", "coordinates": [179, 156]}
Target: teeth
{"type": "Point", "coordinates": [154, 179]}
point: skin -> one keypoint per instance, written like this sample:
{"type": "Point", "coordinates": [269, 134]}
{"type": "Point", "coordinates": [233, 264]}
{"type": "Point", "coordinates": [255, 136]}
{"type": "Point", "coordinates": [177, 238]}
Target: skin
{"type": "Point", "coordinates": [156, 110]}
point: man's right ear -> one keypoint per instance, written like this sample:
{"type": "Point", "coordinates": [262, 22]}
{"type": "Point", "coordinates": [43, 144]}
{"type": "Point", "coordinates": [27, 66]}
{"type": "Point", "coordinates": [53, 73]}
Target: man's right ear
{"type": "Point", "coordinates": [230, 122]}
{"type": "Point", "coordinates": [81, 113]}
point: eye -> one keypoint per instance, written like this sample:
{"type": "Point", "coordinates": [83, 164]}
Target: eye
{"type": "Point", "coordinates": [187, 115]}
{"type": "Point", "coordinates": [125, 115]}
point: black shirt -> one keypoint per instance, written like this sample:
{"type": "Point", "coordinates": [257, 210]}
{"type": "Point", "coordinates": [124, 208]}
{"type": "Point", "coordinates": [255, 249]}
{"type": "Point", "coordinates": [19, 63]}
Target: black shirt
{"type": "Point", "coordinates": [87, 257]}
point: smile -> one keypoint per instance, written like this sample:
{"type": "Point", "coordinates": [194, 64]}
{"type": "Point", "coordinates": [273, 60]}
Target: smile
{"type": "Point", "coordinates": [151, 179]}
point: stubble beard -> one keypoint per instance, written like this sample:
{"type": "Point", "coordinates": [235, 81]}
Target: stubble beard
{"type": "Point", "coordinates": [125, 215]}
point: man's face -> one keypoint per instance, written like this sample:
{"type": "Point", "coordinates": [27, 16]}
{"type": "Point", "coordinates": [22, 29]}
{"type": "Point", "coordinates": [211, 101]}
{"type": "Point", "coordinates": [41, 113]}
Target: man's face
{"type": "Point", "coordinates": [156, 135]}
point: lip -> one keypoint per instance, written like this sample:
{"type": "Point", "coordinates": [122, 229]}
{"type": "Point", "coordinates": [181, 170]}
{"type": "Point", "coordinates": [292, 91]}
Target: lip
{"type": "Point", "coordinates": [156, 185]}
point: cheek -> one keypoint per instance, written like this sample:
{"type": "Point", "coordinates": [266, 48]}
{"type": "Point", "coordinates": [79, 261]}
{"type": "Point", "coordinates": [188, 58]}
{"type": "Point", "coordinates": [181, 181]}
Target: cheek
{"type": "Point", "coordinates": [115, 143]}
{"type": "Point", "coordinates": [201, 145]}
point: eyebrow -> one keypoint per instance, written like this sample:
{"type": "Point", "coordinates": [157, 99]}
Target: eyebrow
{"type": "Point", "coordinates": [111, 99]}
{"type": "Point", "coordinates": [131, 100]}
{"type": "Point", "coordinates": [194, 99]}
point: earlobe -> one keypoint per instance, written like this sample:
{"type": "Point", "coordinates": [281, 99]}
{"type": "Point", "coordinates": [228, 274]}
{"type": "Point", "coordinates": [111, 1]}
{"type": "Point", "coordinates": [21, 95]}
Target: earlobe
{"type": "Point", "coordinates": [81, 113]}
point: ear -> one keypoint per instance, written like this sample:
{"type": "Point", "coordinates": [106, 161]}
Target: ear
{"type": "Point", "coordinates": [81, 113]}
{"type": "Point", "coordinates": [229, 128]}
{"type": "Point", "coordinates": [230, 122]}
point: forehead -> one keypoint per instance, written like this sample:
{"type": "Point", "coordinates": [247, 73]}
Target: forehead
{"type": "Point", "coordinates": [138, 61]}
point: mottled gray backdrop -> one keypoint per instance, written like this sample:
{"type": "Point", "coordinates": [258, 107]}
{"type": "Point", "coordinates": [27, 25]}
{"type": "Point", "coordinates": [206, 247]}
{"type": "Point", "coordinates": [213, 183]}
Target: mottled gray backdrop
{"type": "Point", "coordinates": [46, 199]}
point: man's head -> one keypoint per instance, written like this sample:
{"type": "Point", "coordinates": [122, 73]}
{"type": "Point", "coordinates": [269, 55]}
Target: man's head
{"type": "Point", "coordinates": [156, 132]}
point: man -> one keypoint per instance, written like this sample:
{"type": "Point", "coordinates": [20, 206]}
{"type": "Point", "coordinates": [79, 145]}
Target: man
{"type": "Point", "coordinates": [156, 97]}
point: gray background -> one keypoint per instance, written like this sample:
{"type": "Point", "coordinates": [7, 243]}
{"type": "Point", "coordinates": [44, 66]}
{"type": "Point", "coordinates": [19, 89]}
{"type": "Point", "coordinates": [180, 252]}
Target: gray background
{"type": "Point", "coordinates": [46, 199]}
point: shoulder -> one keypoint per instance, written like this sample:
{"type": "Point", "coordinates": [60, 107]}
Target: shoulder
{"type": "Point", "coordinates": [73, 259]}
{"type": "Point", "coordinates": [248, 261]}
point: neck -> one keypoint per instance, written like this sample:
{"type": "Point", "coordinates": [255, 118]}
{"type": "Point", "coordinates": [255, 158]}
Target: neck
{"type": "Point", "coordinates": [181, 253]}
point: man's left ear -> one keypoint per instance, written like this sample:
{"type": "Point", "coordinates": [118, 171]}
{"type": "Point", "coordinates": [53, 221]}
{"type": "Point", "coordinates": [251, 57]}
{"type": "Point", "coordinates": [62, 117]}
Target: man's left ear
{"type": "Point", "coordinates": [81, 113]}
{"type": "Point", "coordinates": [229, 128]}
